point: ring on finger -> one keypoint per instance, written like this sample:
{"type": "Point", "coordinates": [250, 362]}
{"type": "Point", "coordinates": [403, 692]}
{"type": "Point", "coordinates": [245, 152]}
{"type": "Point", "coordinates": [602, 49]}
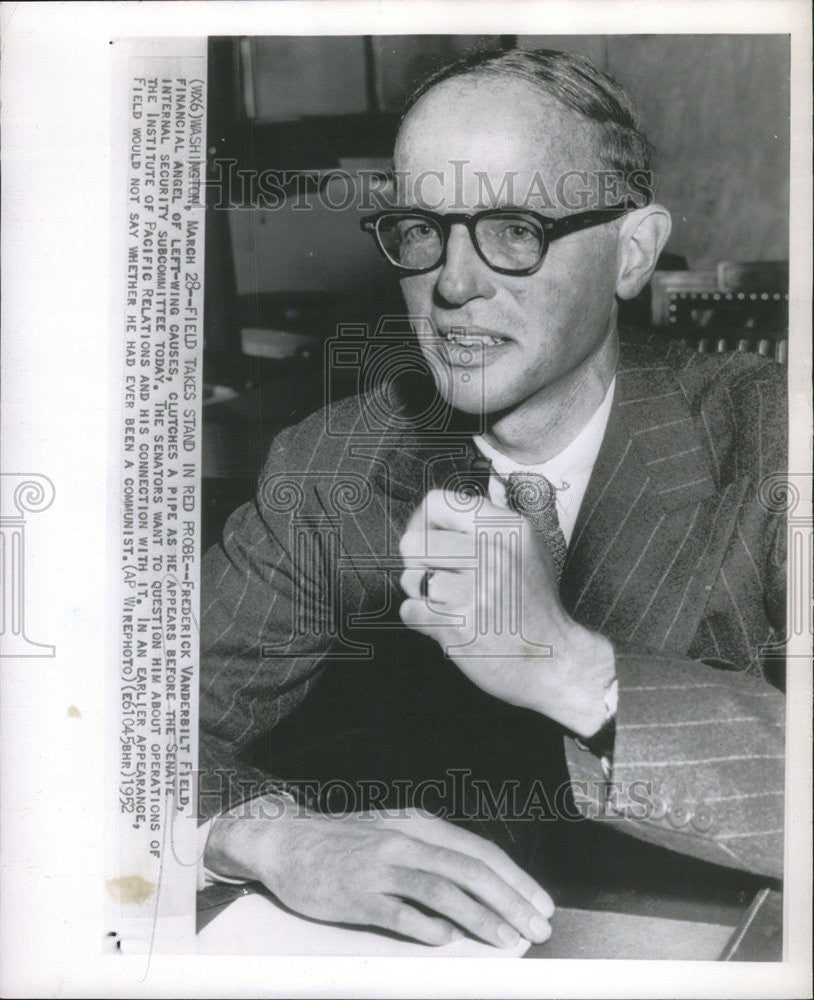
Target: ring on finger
{"type": "Point", "coordinates": [426, 580]}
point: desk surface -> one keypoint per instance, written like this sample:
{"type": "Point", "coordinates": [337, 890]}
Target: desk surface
{"type": "Point", "coordinates": [254, 925]}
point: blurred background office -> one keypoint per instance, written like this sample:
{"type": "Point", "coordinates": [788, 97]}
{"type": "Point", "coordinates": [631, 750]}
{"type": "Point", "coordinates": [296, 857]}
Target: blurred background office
{"type": "Point", "coordinates": [281, 276]}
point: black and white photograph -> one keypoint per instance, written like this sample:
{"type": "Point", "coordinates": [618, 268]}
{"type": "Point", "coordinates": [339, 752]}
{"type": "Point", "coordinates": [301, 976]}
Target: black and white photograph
{"type": "Point", "coordinates": [449, 389]}
{"type": "Point", "coordinates": [492, 651]}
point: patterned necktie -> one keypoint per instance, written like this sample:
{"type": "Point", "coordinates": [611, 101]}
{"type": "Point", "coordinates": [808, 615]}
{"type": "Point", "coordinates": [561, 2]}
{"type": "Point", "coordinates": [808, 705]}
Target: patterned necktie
{"type": "Point", "coordinates": [532, 495]}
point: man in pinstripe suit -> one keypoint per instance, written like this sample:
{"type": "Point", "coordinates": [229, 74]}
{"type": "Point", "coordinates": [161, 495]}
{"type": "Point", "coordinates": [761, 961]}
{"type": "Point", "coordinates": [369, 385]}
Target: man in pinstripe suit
{"type": "Point", "coordinates": [343, 636]}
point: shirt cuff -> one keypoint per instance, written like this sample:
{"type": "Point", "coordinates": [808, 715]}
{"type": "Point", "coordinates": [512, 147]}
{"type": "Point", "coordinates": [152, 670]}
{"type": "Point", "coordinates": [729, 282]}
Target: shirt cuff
{"type": "Point", "coordinates": [601, 743]}
{"type": "Point", "coordinates": [612, 699]}
{"type": "Point", "coordinates": [205, 876]}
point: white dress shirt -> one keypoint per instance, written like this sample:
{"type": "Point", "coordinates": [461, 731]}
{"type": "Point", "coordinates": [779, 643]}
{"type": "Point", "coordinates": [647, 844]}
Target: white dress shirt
{"type": "Point", "coordinates": [568, 472]}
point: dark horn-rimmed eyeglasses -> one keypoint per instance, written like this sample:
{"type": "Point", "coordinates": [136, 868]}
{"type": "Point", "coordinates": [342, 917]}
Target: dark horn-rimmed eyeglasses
{"type": "Point", "coordinates": [509, 240]}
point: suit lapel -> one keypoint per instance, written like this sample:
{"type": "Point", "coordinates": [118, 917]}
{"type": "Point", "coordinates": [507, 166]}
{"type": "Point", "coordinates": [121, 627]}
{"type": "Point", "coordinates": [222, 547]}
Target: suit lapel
{"type": "Point", "coordinates": [645, 540]}
{"type": "Point", "coordinates": [401, 468]}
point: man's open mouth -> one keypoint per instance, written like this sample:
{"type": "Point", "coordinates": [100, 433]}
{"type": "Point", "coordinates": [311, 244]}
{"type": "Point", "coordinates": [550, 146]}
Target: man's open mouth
{"type": "Point", "coordinates": [469, 338]}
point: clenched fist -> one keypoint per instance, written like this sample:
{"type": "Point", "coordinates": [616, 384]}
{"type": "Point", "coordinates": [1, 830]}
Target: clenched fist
{"type": "Point", "coordinates": [482, 584]}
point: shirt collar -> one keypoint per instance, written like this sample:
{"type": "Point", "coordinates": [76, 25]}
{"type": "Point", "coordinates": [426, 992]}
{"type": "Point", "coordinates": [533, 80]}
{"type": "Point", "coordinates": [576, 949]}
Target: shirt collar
{"type": "Point", "coordinates": [575, 459]}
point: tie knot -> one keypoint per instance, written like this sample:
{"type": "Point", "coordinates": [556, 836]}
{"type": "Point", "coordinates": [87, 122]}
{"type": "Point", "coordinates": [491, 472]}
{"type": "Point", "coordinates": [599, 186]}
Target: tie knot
{"type": "Point", "coordinates": [529, 493]}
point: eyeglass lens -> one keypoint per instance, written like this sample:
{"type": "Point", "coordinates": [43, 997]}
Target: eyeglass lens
{"type": "Point", "coordinates": [513, 241]}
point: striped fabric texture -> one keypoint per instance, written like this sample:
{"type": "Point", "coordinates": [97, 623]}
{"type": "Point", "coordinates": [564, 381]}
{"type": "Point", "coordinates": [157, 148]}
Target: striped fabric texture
{"type": "Point", "coordinates": [678, 557]}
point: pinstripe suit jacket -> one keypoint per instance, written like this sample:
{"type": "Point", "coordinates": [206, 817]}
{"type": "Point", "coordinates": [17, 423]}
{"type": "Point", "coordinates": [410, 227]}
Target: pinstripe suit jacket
{"type": "Point", "coordinates": [677, 557]}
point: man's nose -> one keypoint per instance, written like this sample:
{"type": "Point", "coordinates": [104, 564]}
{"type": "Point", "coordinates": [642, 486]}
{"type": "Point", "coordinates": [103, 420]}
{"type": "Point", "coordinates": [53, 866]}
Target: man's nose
{"type": "Point", "coordinates": [464, 275]}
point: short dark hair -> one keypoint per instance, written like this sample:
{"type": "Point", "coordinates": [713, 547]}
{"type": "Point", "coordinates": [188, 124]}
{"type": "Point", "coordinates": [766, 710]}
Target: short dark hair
{"type": "Point", "coordinates": [572, 80]}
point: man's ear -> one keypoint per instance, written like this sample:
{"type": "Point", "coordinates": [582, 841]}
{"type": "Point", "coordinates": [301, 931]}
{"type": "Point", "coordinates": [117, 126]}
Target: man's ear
{"type": "Point", "coordinates": [642, 236]}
